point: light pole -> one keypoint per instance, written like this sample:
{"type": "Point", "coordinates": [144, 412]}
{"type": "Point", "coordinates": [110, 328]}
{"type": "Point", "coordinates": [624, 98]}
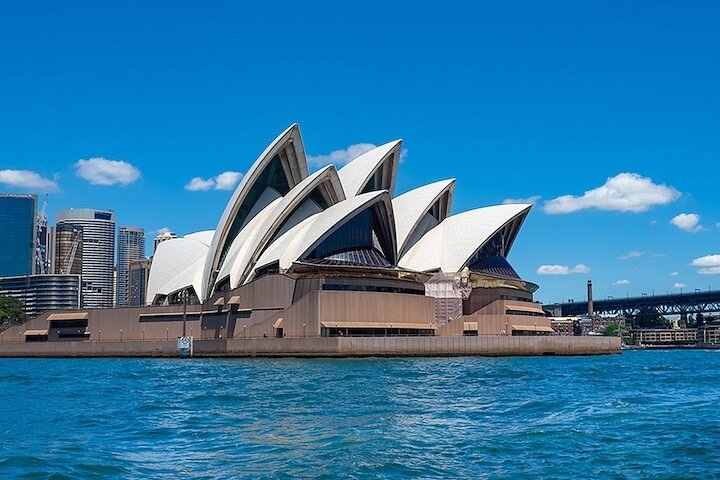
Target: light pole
{"type": "Point", "coordinates": [184, 299]}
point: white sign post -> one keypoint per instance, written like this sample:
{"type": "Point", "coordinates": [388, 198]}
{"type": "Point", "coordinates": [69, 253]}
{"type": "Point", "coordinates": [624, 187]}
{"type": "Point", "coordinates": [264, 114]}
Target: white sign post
{"type": "Point", "coordinates": [185, 346]}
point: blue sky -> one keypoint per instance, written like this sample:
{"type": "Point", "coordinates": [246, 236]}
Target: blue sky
{"type": "Point", "coordinates": [513, 99]}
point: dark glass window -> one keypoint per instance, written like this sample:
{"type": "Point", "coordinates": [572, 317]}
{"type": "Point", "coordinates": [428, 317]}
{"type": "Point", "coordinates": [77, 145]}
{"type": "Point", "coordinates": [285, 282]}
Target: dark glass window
{"type": "Point", "coordinates": [273, 176]}
{"type": "Point", "coordinates": [316, 197]}
{"type": "Point", "coordinates": [354, 235]}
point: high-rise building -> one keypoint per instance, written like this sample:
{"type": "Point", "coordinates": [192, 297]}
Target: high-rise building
{"type": "Point", "coordinates": [161, 238]}
{"type": "Point", "coordinates": [85, 245]}
{"type": "Point", "coordinates": [39, 293]}
{"type": "Point", "coordinates": [130, 248]}
{"type": "Point", "coordinates": [138, 273]}
{"type": "Point", "coordinates": [17, 234]}
{"type": "Point", "coordinates": [42, 263]}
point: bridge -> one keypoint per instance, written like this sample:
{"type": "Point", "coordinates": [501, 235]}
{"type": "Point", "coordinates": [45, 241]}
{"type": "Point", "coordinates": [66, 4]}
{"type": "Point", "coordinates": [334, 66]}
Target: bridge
{"type": "Point", "coordinates": [682, 304]}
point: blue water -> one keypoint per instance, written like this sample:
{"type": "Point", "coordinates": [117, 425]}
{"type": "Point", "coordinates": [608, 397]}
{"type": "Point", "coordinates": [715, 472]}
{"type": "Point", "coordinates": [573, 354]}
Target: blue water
{"type": "Point", "coordinates": [636, 415]}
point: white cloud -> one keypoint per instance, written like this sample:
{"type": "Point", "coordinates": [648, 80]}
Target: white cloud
{"type": "Point", "coordinates": [224, 181]}
{"type": "Point", "coordinates": [346, 155]}
{"type": "Point", "coordinates": [632, 254]}
{"type": "Point", "coordinates": [679, 285]}
{"type": "Point", "coordinates": [162, 230]}
{"type": "Point", "coordinates": [101, 171]}
{"type": "Point", "coordinates": [533, 200]}
{"type": "Point", "coordinates": [707, 265]}
{"type": "Point", "coordinates": [674, 274]}
{"type": "Point", "coordinates": [625, 192]}
{"type": "Point", "coordinates": [690, 222]}
{"type": "Point", "coordinates": [227, 180]}
{"type": "Point", "coordinates": [624, 281]}
{"type": "Point", "coordinates": [27, 179]}
{"type": "Point", "coordinates": [562, 269]}
{"type": "Point", "coordinates": [340, 157]}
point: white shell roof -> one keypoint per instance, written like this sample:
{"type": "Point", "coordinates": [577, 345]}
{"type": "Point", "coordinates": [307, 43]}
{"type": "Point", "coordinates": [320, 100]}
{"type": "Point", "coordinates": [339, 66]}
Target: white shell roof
{"type": "Point", "coordinates": [257, 240]}
{"type": "Point", "coordinates": [230, 265]}
{"type": "Point", "coordinates": [306, 235]}
{"type": "Point", "coordinates": [410, 207]}
{"type": "Point", "coordinates": [204, 236]}
{"type": "Point", "coordinates": [173, 264]}
{"type": "Point", "coordinates": [451, 244]}
{"type": "Point", "coordinates": [291, 134]}
{"type": "Point", "coordinates": [355, 174]}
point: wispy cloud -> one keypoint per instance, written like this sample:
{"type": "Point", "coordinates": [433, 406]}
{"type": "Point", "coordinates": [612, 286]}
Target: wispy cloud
{"type": "Point", "coordinates": [674, 274]}
{"type": "Point", "coordinates": [632, 254]}
{"type": "Point", "coordinates": [562, 269]}
{"type": "Point", "coordinates": [707, 265]}
{"type": "Point", "coordinates": [689, 222]}
{"type": "Point", "coordinates": [532, 200]}
{"type": "Point", "coordinates": [27, 179]}
{"type": "Point", "coordinates": [346, 155]}
{"type": "Point", "coordinates": [224, 181]}
{"type": "Point", "coordinates": [340, 157]}
{"type": "Point", "coordinates": [101, 171]}
{"type": "Point", "coordinates": [624, 281]}
{"type": "Point", "coordinates": [626, 192]}
{"type": "Point", "coordinates": [679, 285]}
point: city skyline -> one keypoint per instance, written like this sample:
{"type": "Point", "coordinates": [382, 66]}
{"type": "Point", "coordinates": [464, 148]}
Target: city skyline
{"type": "Point", "coordinates": [608, 135]}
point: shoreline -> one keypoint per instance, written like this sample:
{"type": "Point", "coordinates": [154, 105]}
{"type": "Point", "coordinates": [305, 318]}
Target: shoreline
{"type": "Point", "coordinates": [488, 346]}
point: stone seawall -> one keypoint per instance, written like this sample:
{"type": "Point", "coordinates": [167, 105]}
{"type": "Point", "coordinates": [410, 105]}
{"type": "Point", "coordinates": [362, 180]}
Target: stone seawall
{"type": "Point", "coordinates": [327, 347]}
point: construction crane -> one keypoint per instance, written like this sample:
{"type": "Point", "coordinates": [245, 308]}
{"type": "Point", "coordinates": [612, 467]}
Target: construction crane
{"type": "Point", "coordinates": [41, 263]}
{"type": "Point", "coordinates": [70, 257]}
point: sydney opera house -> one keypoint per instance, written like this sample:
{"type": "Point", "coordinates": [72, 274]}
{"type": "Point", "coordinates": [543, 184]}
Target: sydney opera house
{"type": "Point", "coordinates": [335, 252]}
{"type": "Point", "coordinates": [327, 254]}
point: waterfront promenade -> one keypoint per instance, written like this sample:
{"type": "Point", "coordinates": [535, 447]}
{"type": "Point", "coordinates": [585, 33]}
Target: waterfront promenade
{"type": "Point", "coordinates": [326, 347]}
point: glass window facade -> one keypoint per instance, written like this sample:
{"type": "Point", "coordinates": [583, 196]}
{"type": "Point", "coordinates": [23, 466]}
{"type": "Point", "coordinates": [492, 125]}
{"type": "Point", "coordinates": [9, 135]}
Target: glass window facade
{"type": "Point", "coordinates": [273, 176]}
{"type": "Point", "coordinates": [354, 243]}
{"type": "Point", "coordinates": [17, 234]}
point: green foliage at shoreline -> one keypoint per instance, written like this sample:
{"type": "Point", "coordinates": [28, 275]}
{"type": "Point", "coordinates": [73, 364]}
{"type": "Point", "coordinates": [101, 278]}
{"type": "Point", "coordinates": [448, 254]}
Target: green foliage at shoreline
{"type": "Point", "coordinates": [11, 311]}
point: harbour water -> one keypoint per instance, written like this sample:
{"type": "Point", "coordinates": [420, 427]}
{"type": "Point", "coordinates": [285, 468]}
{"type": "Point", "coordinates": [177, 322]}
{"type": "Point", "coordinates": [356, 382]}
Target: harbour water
{"type": "Point", "coordinates": [642, 414]}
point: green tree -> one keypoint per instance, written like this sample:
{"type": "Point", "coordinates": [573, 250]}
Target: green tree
{"type": "Point", "coordinates": [612, 331]}
{"type": "Point", "coordinates": [11, 310]}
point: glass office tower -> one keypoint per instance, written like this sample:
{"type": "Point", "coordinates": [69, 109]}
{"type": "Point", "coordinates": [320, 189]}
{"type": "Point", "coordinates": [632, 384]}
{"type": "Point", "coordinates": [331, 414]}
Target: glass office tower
{"type": "Point", "coordinates": [17, 234]}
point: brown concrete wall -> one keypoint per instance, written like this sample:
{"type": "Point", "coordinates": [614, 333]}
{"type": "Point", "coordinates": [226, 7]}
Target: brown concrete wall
{"type": "Point", "coordinates": [492, 320]}
{"type": "Point", "coordinates": [304, 311]}
{"type": "Point", "coordinates": [90, 349]}
{"type": "Point", "coordinates": [344, 306]}
{"type": "Point", "coordinates": [107, 324]}
{"type": "Point", "coordinates": [270, 291]}
{"type": "Point", "coordinates": [328, 346]}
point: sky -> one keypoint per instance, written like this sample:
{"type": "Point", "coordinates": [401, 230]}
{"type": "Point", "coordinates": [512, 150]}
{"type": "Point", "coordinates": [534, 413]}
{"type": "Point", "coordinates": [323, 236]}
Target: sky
{"type": "Point", "coordinates": [605, 114]}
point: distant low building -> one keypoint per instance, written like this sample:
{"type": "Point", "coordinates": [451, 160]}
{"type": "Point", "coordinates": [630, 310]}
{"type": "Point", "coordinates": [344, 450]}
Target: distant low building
{"type": "Point", "coordinates": [39, 293]}
{"type": "Point", "coordinates": [660, 337]}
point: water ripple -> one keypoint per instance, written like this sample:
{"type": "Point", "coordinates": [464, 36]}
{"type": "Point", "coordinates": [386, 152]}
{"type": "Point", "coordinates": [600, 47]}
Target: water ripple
{"type": "Point", "coordinates": [638, 415]}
